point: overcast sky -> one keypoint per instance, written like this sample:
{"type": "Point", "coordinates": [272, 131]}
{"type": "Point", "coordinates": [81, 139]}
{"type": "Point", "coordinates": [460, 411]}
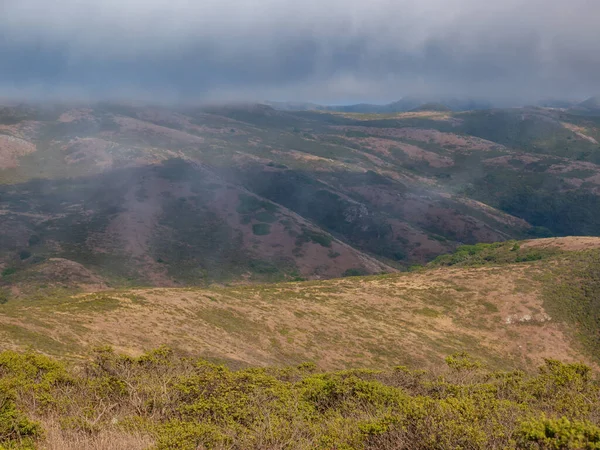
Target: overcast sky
{"type": "Point", "coordinates": [328, 51]}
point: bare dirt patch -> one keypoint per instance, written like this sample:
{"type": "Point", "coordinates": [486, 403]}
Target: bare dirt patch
{"type": "Point", "coordinates": [88, 150]}
{"type": "Point", "coordinates": [568, 166]}
{"type": "Point", "coordinates": [384, 146]}
{"type": "Point", "coordinates": [593, 179]}
{"type": "Point", "coordinates": [506, 160]}
{"type": "Point", "coordinates": [129, 125]}
{"type": "Point", "coordinates": [75, 115]}
{"type": "Point", "coordinates": [579, 132]}
{"type": "Point", "coordinates": [438, 116]}
{"type": "Point", "coordinates": [417, 153]}
{"type": "Point", "coordinates": [11, 149]}
{"type": "Point", "coordinates": [184, 123]}
{"type": "Point", "coordinates": [446, 140]}
{"type": "Point", "coordinates": [25, 130]}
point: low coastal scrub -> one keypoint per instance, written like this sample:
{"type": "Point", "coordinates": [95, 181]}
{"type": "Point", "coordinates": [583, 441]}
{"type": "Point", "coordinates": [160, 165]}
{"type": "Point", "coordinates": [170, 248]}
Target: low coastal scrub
{"type": "Point", "coordinates": [161, 400]}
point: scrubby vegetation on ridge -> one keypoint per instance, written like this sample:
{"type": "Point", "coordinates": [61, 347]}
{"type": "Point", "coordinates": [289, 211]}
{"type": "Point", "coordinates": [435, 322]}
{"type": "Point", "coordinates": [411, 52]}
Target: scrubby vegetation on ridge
{"type": "Point", "coordinates": [496, 253]}
{"type": "Point", "coordinates": [164, 401]}
{"type": "Point", "coordinates": [573, 295]}
{"type": "Point", "coordinates": [571, 290]}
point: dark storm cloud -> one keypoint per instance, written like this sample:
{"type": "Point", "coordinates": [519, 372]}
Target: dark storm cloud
{"type": "Point", "coordinates": [320, 50]}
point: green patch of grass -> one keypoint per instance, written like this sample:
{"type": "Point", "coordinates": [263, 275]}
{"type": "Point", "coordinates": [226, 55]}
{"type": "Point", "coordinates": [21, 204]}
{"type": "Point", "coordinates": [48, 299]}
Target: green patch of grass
{"type": "Point", "coordinates": [437, 237]}
{"type": "Point", "coordinates": [490, 307]}
{"type": "Point", "coordinates": [263, 267]}
{"type": "Point", "coordinates": [9, 271]}
{"type": "Point", "coordinates": [265, 216]}
{"type": "Point", "coordinates": [261, 229]}
{"type": "Point", "coordinates": [571, 293]}
{"type": "Point", "coordinates": [230, 321]}
{"type": "Point", "coordinates": [428, 312]}
{"type": "Point", "coordinates": [251, 204]}
{"type": "Point", "coordinates": [39, 340]}
{"type": "Point", "coordinates": [307, 235]}
{"type": "Point", "coordinates": [93, 303]}
{"type": "Point", "coordinates": [355, 272]}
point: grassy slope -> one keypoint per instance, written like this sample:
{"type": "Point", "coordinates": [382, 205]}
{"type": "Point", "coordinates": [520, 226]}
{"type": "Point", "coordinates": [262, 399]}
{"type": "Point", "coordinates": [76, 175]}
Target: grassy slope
{"type": "Point", "coordinates": [511, 309]}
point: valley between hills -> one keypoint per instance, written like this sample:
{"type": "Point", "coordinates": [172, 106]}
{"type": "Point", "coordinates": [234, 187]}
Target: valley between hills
{"type": "Point", "coordinates": [286, 277]}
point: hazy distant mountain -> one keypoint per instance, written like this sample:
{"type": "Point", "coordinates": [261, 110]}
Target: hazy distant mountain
{"type": "Point", "coordinates": [294, 106]}
{"type": "Point", "coordinates": [405, 104]}
{"type": "Point", "coordinates": [589, 107]}
{"type": "Point", "coordinates": [440, 107]}
{"type": "Point", "coordinates": [591, 103]}
{"type": "Point", "coordinates": [556, 103]}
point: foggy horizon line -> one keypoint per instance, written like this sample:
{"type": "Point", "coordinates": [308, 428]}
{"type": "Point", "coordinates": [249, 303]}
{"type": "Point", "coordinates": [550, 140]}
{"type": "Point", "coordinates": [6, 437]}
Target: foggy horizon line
{"type": "Point", "coordinates": [140, 102]}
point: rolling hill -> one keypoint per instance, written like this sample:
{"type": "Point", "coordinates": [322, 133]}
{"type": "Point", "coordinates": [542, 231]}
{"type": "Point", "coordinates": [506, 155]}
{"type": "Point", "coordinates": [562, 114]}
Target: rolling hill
{"type": "Point", "coordinates": [450, 352]}
{"type": "Point", "coordinates": [508, 304]}
{"type": "Point", "coordinates": [154, 196]}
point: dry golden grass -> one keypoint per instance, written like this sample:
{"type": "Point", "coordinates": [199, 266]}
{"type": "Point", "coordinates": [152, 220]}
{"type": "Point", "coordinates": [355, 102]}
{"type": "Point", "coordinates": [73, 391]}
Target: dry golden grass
{"type": "Point", "coordinates": [571, 243]}
{"type": "Point", "coordinates": [58, 438]}
{"type": "Point", "coordinates": [495, 312]}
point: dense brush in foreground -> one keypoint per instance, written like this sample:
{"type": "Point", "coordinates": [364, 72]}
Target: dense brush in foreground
{"type": "Point", "coordinates": [164, 401]}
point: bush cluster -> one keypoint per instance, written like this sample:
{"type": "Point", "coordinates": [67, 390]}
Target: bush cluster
{"type": "Point", "coordinates": [186, 403]}
{"type": "Point", "coordinates": [495, 253]}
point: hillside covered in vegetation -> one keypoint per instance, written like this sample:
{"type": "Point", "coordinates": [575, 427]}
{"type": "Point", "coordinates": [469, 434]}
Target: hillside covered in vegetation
{"type": "Point", "coordinates": [156, 196]}
{"type": "Point", "coordinates": [242, 277]}
{"type": "Point", "coordinates": [162, 401]}
{"type": "Point", "coordinates": [442, 357]}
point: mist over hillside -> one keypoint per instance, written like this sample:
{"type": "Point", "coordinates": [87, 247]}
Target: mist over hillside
{"type": "Point", "coordinates": [283, 225]}
{"type": "Point", "coordinates": [166, 196]}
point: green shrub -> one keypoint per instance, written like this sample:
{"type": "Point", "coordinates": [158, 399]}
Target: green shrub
{"type": "Point", "coordinates": [539, 232]}
{"type": "Point", "coordinates": [251, 204]}
{"type": "Point", "coordinates": [188, 403]}
{"type": "Point", "coordinates": [496, 253]}
{"type": "Point", "coordinates": [24, 254]}
{"type": "Point", "coordinates": [183, 435]}
{"type": "Point", "coordinates": [355, 272]}
{"type": "Point", "coordinates": [261, 229]}
{"type": "Point", "coordinates": [15, 428]}
{"type": "Point", "coordinates": [265, 216]}
{"type": "Point", "coordinates": [307, 235]}
{"type": "Point", "coordinates": [559, 434]}
{"type": "Point", "coordinates": [262, 267]}
{"type": "Point", "coordinates": [9, 271]}
{"type": "Point", "coordinates": [34, 240]}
